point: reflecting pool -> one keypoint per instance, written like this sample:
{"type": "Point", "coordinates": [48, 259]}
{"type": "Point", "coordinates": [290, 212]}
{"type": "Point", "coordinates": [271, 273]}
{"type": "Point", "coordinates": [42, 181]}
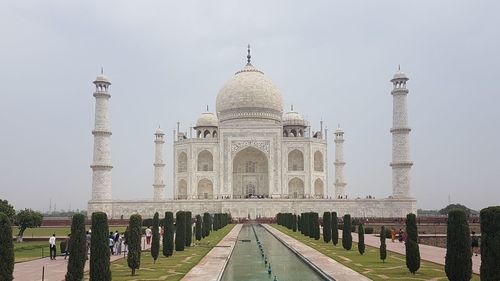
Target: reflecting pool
{"type": "Point", "coordinates": [248, 260]}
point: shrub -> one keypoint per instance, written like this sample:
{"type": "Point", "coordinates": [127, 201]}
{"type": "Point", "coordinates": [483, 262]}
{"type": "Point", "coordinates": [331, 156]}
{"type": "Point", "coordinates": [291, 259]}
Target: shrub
{"type": "Point", "coordinates": [155, 243]}
{"type": "Point", "coordinates": [335, 229]}
{"type": "Point", "coordinates": [361, 239]}
{"type": "Point", "coordinates": [412, 251]}
{"type": "Point", "coordinates": [327, 227]}
{"type": "Point", "coordinates": [458, 261]}
{"type": "Point", "coordinates": [490, 243]}
{"type": "Point", "coordinates": [180, 231]}
{"type": "Point", "coordinates": [168, 234]}
{"type": "Point", "coordinates": [77, 247]}
{"type": "Point", "coordinates": [368, 230]}
{"type": "Point", "coordinates": [294, 223]}
{"type": "Point", "coordinates": [346, 233]}
{"type": "Point", "coordinates": [206, 224]}
{"type": "Point", "coordinates": [189, 228]}
{"type": "Point", "coordinates": [198, 227]}
{"type": "Point", "coordinates": [99, 248]}
{"type": "Point", "coordinates": [134, 243]}
{"type": "Point", "coordinates": [6, 249]}
{"type": "Point", "coordinates": [383, 248]}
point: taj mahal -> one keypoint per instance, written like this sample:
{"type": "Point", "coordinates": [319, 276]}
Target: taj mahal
{"type": "Point", "coordinates": [252, 159]}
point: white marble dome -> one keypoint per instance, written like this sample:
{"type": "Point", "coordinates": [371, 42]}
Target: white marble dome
{"type": "Point", "coordinates": [207, 119]}
{"type": "Point", "coordinates": [249, 94]}
{"type": "Point", "coordinates": [399, 75]}
{"type": "Point", "coordinates": [293, 118]}
{"type": "Point", "coordinates": [102, 78]}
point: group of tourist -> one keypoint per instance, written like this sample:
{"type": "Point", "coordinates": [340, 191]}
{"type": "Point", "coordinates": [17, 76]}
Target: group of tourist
{"type": "Point", "coordinates": [116, 240]}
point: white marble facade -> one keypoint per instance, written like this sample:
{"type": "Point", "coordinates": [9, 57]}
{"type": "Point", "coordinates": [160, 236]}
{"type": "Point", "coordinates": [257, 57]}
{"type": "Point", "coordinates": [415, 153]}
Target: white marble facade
{"type": "Point", "coordinates": [249, 158]}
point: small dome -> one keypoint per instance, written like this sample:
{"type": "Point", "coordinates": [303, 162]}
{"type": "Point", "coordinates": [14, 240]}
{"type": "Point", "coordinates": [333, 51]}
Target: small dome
{"type": "Point", "coordinates": [399, 75]}
{"type": "Point", "coordinates": [249, 94]}
{"type": "Point", "coordinates": [102, 78]}
{"type": "Point", "coordinates": [339, 130]}
{"type": "Point", "coordinates": [293, 118]}
{"type": "Point", "coordinates": [207, 119]}
{"type": "Point", "coordinates": [159, 131]}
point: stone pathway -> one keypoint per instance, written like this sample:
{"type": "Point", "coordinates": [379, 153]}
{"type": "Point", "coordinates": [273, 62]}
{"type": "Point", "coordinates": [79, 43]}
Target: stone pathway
{"type": "Point", "coordinates": [428, 253]}
{"type": "Point", "coordinates": [55, 270]}
{"type": "Point", "coordinates": [329, 266]}
{"type": "Point", "coordinates": [211, 267]}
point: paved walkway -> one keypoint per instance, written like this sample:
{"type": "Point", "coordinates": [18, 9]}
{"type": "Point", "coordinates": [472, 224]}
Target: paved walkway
{"type": "Point", "coordinates": [55, 270]}
{"type": "Point", "coordinates": [327, 265]}
{"type": "Point", "coordinates": [428, 253]}
{"type": "Point", "coordinates": [211, 267]}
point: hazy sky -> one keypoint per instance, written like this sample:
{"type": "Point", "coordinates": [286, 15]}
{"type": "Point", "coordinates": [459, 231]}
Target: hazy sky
{"type": "Point", "coordinates": [168, 60]}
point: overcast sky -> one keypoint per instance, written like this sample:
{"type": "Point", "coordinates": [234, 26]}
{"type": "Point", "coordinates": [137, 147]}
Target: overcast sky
{"type": "Point", "coordinates": [167, 61]}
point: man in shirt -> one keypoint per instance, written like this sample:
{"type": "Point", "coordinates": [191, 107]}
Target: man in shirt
{"type": "Point", "coordinates": [148, 235]}
{"type": "Point", "coordinates": [52, 246]}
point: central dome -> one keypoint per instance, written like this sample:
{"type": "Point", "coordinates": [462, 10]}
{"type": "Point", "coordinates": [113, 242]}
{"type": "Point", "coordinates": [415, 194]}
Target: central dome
{"type": "Point", "coordinates": [249, 95]}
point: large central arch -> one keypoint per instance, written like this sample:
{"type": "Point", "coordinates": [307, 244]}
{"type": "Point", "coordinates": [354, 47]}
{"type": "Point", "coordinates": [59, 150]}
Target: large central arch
{"type": "Point", "coordinates": [250, 173]}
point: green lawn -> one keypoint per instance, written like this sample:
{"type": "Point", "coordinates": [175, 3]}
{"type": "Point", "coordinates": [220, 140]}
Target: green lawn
{"type": "Point", "coordinates": [171, 268]}
{"type": "Point", "coordinates": [59, 231]}
{"type": "Point", "coordinates": [370, 264]}
{"type": "Point", "coordinates": [30, 250]}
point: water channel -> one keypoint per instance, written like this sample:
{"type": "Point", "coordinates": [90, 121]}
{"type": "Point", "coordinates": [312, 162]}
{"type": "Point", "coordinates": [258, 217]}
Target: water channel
{"type": "Point", "coordinates": [248, 261]}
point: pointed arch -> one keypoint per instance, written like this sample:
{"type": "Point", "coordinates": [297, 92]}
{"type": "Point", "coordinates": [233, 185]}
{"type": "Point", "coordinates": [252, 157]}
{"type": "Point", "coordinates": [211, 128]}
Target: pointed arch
{"type": "Point", "coordinates": [182, 162]}
{"type": "Point", "coordinates": [319, 188]}
{"type": "Point", "coordinates": [318, 161]}
{"type": "Point", "coordinates": [295, 160]}
{"type": "Point", "coordinates": [205, 189]}
{"type": "Point", "coordinates": [205, 161]}
{"type": "Point", "coordinates": [182, 189]}
{"type": "Point", "coordinates": [296, 188]}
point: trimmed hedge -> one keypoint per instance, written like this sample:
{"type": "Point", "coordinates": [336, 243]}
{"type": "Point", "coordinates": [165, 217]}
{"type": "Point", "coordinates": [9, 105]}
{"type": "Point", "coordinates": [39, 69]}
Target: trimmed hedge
{"type": "Point", "coordinates": [361, 239]}
{"type": "Point", "coordinates": [412, 251]}
{"type": "Point", "coordinates": [346, 233]}
{"type": "Point", "coordinates": [168, 235]}
{"type": "Point", "coordinates": [327, 227]}
{"type": "Point", "coordinates": [335, 229]}
{"type": "Point", "coordinates": [77, 247]}
{"type": "Point", "coordinates": [6, 249]}
{"type": "Point", "coordinates": [134, 243]}
{"type": "Point", "coordinates": [180, 231]}
{"type": "Point", "coordinates": [155, 243]}
{"type": "Point", "coordinates": [99, 248]}
{"type": "Point", "coordinates": [383, 247]}
{"type": "Point", "coordinates": [458, 260]}
{"type": "Point", "coordinates": [490, 243]}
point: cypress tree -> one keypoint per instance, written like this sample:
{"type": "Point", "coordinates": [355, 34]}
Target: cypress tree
{"type": "Point", "coordinates": [316, 226]}
{"type": "Point", "coordinates": [327, 227]}
{"type": "Point", "coordinates": [99, 248]}
{"type": "Point", "coordinates": [299, 223]}
{"type": "Point", "coordinates": [383, 248]}
{"type": "Point", "coordinates": [412, 251]}
{"type": "Point", "coordinates": [180, 231]}
{"type": "Point", "coordinates": [294, 223]}
{"type": "Point", "coordinates": [189, 229]}
{"type": "Point", "coordinates": [361, 239]}
{"type": "Point", "coordinates": [198, 228]}
{"type": "Point", "coordinates": [155, 243]}
{"type": "Point", "coordinates": [346, 233]}
{"type": "Point", "coordinates": [134, 243]}
{"type": "Point", "coordinates": [206, 224]}
{"type": "Point", "coordinates": [6, 249]}
{"type": "Point", "coordinates": [458, 261]}
{"type": "Point", "coordinates": [168, 234]}
{"type": "Point", "coordinates": [490, 243]}
{"type": "Point", "coordinates": [335, 229]}
{"type": "Point", "coordinates": [77, 248]}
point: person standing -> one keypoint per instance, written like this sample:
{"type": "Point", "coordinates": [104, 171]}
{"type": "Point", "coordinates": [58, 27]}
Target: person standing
{"type": "Point", "coordinates": [87, 244]}
{"type": "Point", "coordinates": [393, 234]}
{"type": "Point", "coordinates": [148, 235]}
{"type": "Point", "coordinates": [66, 250]}
{"type": "Point", "coordinates": [52, 246]}
{"type": "Point", "coordinates": [111, 244]}
{"type": "Point", "coordinates": [474, 243]}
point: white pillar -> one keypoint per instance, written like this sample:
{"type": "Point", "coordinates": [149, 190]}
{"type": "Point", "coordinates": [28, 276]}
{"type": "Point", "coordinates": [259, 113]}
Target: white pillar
{"type": "Point", "coordinates": [101, 164]}
{"type": "Point", "coordinates": [159, 176]}
{"type": "Point", "coordinates": [401, 163]}
{"type": "Point", "coordinates": [339, 163]}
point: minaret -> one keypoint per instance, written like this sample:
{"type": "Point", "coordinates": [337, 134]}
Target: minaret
{"type": "Point", "coordinates": [401, 163]}
{"type": "Point", "coordinates": [101, 164]}
{"type": "Point", "coordinates": [159, 176]}
{"type": "Point", "coordinates": [339, 163]}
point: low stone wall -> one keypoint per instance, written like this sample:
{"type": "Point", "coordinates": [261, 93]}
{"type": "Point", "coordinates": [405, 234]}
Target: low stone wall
{"type": "Point", "coordinates": [254, 208]}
